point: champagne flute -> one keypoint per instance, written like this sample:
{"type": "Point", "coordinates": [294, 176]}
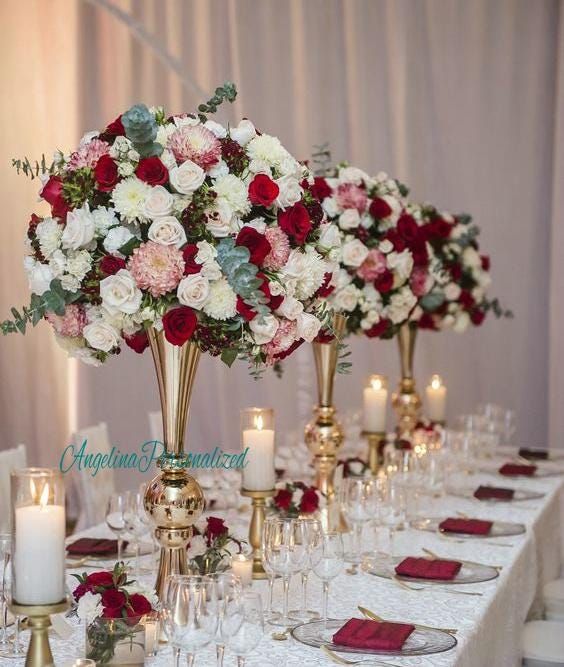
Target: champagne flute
{"type": "Point", "coordinates": [133, 516]}
{"type": "Point", "coordinates": [327, 559]}
{"type": "Point", "coordinates": [243, 624]}
{"type": "Point", "coordinates": [115, 519]}
{"type": "Point", "coordinates": [357, 503]}
{"type": "Point", "coordinates": [312, 534]}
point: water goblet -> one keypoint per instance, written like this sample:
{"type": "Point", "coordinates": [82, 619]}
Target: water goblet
{"type": "Point", "coordinates": [313, 534]}
{"type": "Point", "coordinates": [358, 507]}
{"type": "Point", "coordinates": [228, 586]}
{"type": "Point", "coordinates": [115, 519]}
{"type": "Point", "coordinates": [133, 517]}
{"type": "Point", "coordinates": [327, 559]}
{"type": "Point", "coordinates": [243, 624]}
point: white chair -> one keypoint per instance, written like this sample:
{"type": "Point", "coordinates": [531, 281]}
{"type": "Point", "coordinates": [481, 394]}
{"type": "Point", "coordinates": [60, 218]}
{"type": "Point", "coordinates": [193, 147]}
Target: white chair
{"type": "Point", "coordinates": [10, 459]}
{"type": "Point", "coordinates": [543, 644]}
{"type": "Point", "coordinates": [553, 596]}
{"type": "Point", "coordinates": [93, 491]}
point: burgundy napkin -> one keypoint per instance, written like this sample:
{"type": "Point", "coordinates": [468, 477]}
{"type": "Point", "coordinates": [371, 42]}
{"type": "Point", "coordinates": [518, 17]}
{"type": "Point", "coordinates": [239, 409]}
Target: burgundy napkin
{"type": "Point", "coordinates": [511, 469]}
{"type": "Point", "coordinates": [93, 546]}
{"type": "Point", "coordinates": [427, 568]}
{"type": "Point", "coordinates": [373, 635]}
{"type": "Point", "coordinates": [493, 493]}
{"type": "Point", "coordinates": [466, 526]}
{"type": "Point", "coordinates": [534, 454]}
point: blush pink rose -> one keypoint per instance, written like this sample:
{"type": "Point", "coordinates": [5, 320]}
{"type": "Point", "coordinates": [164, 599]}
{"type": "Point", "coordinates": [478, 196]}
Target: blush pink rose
{"type": "Point", "coordinates": [350, 195]}
{"type": "Point", "coordinates": [372, 267]}
{"type": "Point", "coordinates": [419, 281]}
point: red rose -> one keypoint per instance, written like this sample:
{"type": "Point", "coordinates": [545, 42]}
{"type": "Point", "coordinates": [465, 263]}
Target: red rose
{"type": "Point", "coordinates": [320, 188]}
{"type": "Point", "coordinates": [324, 336]}
{"type": "Point", "coordinates": [295, 222]}
{"type": "Point", "coordinates": [326, 289]}
{"type": "Point", "coordinates": [215, 528]}
{"type": "Point", "coordinates": [106, 173]}
{"type": "Point", "coordinates": [426, 321]}
{"type": "Point", "coordinates": [439, 228]}
{"type": "Point", "coordinates": [384, 282]}
{"type": "Point", "coordinates": [246, 311]}
{"type": "Point", "coordinates": [138, 605]}
{"type": "Point", "coordinates": [79, 591]}
{"type": "Point", "coordinates": [477, 316]}
{"type": "Point", "coordinates": [99, 579]}
{"type": "Point", "coordinates": [466, 300]}
{"type": "Point", "coordinates": [111, 264]}
{"type": "Point", "coordinates": [257, 243]}
{"type": "Point", "coordinates": [152, 171]}
{"type": "Point", "coordinates": [263, 190]}
{"type": "Point", "coordinates": [310, 501]}
{"type": "Point", "coordinates": [485, 262]}
{"type": "Point", "coordinates": [115, 128]}
{"type": "Point", "coordinates": [52, 192]}
{"type": "Point", "coordinates": [419, 251]}
{"type": "Point", "coordinates": [455, 272]}
{"type": "Point", "coordinates": [179, 325]}
{"type": "Point", "coordinates": [138, 341]}
{"type": "Point", "coordinates": [189, 253]}
{"type": "Point", "coordinates": [379, 208]}
{"type": "Point", "coordinates": [396, 240]}
{"type": "Point", "coordinates": [378, 329]}
{"type": "Point", "coordinates": [407, 227]}
{"type": "Point", "coordinates": [113, 599]}
{"type": "Point", "coordinates": [283, 499]}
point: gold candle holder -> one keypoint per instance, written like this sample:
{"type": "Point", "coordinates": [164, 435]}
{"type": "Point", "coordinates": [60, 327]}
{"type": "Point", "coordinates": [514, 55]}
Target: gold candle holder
{"type": "Point", "coordinates": [406, 401]}
{"type": "Point", "coordinates": [258, 499]}
{"type": "Point", "coordinates": [375, 455]}
{"type": "Point", "coordinates": [39, 651]}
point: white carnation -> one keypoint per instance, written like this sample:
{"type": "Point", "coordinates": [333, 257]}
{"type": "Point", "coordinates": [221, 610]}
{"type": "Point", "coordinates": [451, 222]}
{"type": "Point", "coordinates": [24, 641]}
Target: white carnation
{"type": "Point", "coordinates": [167, 231]}
{"type": "Point", "coordinates": [266, 149]}
{"type": "Point", "coordinates": [104, 218]}
{"type": "Point", "coordinates": [243, 133]}
{"type": "Point", "coordinates": [222, 301]}
{"type": "Point", "coordinates": [89, 607]}
{"type": "Point", "coordinates": [222, 222]}
{"type": "Point", "coordinates": [116, 238]}
{"type": "Point", "coordinates": [231, 190]}
{"type": "Point", "coordinates": [129, 197]}
{"type": "Point", "coordinates": [306, 270]}
{"type": "Point", "coordinates": [257, 223]}
{"type": "Point", "coordinates": [352, 175]}
{"type": "Point", "coordinates": [218, 170]}
{"type": "Point", "coordinates": [58, 263]}
{"type": "Point", "coordinates": [401, 263]}
{"type": "Point", "coordinates": [48, 233]}
{"type": "Point", "coordinates": [79, 228]}
{"type": "Point", "coordinates": [79, 263]}
{"type": "Point", "coordinates": [216, 128]}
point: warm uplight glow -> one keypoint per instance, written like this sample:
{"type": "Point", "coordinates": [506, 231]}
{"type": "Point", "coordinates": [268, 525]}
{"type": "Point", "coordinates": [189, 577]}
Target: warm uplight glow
{"type": "Point", "coordinates": [259, 422]}
{"type": "Point", "coordinates": [436, 382]}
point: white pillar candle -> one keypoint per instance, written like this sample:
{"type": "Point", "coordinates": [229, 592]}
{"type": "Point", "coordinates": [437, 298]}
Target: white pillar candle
{"type": "Point", "coordinates": [39, 553]}
{"type": "Point", "coordinates": [258, 474]}
{"type": "Point", "coordinates": [436, 399]}
{"type": "Point", "coordinates": [375, 404]}
{"type": "Point", "coordinates": [242, 567]}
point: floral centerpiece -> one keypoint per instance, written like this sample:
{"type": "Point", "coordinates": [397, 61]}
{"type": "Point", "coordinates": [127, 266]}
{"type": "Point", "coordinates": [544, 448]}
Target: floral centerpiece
{"type": "Point", "coordinates": [296, 499]}
{"type": "Point", "coordinates": [212, 546]}
{"type": "Point", "coordinates": [112, 607]}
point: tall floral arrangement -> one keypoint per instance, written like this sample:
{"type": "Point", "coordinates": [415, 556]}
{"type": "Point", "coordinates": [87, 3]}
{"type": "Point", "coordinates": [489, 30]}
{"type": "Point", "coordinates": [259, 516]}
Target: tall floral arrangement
{"type": "Point", "coordinates": [177, 222]}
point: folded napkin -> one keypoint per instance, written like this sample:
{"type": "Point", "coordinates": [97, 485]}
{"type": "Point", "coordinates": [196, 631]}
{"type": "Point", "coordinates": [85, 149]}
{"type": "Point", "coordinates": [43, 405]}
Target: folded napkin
{"type": "Point", "coordinates": [493, 493]}
{"type": "Point", "coordinates": [534, 454]}
{"type": "Point", "coordinates": [427, 568]}
{"type": "Point", "coordinates": [93, 546]}
{"type": "Point", "coordinates": [512, 469]}
{"type": "Point", "coordinates": [373, 635]}
{"type": "Point", "coordinates": [466, 526]}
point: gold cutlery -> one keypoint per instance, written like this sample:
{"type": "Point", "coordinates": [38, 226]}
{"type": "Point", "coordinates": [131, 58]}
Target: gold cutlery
{"type": "Point", "coordinates": [456, 540]}
{"type": "Point", "coordinates": [434, 556]}
{"type": "Point", "coordinates": [443, 589]}
{"type": "Point", "coordinates": [342, 661]}
{"type": "Point", "coordinates": [281, 636]}
{"type": "Point", "coordinates": [374, 617]}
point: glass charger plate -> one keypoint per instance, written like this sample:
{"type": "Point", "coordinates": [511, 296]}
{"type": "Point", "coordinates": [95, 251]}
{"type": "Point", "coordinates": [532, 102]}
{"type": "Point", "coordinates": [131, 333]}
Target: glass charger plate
{"type": "Point", "coordinates": [422, 641]}
{"type": "Point", "coordinates": [498, 529]}
{"type": "Point", "coordinates": [470, 573]}
{"type": "Point", "coordinates": [519, 494]}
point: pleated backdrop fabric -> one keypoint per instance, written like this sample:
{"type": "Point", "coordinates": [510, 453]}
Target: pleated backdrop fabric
{"type": "Point", "coordinates": [462, 100]}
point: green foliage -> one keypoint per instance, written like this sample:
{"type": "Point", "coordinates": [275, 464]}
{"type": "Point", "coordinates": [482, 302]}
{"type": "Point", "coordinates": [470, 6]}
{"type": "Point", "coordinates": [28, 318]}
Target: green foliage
{"type": "Point", "coordinates": [33, 169]}
{"type": "Point", "coordinates": [431, 301]}
{"type": "Point", "coordinates": [78, 186]}
{"type": "Point", "coordinates": [141, 129]}
{"type": "Point", "coordinates": [227, 91]}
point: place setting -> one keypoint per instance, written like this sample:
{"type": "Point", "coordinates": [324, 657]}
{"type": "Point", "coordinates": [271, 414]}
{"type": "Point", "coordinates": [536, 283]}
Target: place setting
{"type": "Point", "coordinates": [461, 528]}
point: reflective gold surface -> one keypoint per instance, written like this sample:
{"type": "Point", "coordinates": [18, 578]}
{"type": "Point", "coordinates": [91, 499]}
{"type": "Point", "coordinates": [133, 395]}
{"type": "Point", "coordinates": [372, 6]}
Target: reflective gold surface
{"type": "Point", "coordinates": [406, 401]}
{"type": "Point", "coordinates": [258, 499]}
{"type": "Point", "coordinates": [375, 443]}
{"type": "Point", "coordinates": [38, 620]}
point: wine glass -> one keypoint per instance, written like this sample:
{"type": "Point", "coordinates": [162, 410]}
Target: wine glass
{"type": "Point", "coordinates": [15, 648]}
{"type": "Point", "coordinates": [272, 616]}
{"type": "Point", "coordinates": [243, 624]}
{"type": "Point", "coordinates": [5, 550]}
{"type": "Point", "coordinates": [327, 560]}
{"type": "Point", "coordinates": [134, 518]}
{"type": "Point", "coordinates": [358, 506]}
{"type": "Point", "coordinates": [312, 534]}
{"type": "Point", "coordinates": [286, 553]}
{"type": "Point", "coordinates": [190, 614]}
{"type": "Point", "coordinates": [115, 518]}
{"type": "Point", "coordinates": [393, 508]}
{"type": "Point", "coordinates": [227, 586]}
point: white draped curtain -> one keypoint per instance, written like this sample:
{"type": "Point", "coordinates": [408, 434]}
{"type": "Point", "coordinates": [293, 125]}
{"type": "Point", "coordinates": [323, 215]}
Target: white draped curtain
{"type": "Point", "coordinates": [461, 99]}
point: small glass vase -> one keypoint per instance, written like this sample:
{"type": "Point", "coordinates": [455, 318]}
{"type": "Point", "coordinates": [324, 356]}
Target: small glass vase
{"type": "Point", "coordinates": [116, 641]}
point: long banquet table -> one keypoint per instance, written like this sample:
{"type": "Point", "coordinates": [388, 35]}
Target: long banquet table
{"type": "Point", "coordinates": [489, 627]}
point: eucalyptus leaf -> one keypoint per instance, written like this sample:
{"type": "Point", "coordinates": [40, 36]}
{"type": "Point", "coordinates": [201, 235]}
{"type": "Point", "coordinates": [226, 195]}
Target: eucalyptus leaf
{"type": "Point", "coordinates": [430, 302]}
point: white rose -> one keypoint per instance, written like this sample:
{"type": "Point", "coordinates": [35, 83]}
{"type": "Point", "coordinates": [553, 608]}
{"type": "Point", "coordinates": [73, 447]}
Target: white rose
{"type": "Point", "coordinates": [290, 308]}
{"type": "Point", "coordinates": [290, 191]}
{"type": "Point", "coordinates": [349, 219]}
{"type": "Point", "coordinates": [101, 336]}
{"type": "Point", "coordinates": [447, 322]}
{"type": "Point", "coordinates": [264, 328]}
{"type": "Point", "coordinates": [329, 236]}
{"type": "Point", "coordinates": [385, 246]}
{"type": "Point", "coordinates": [330, 206]}
{"type": "Point", "coordinates": [243, 133]}
{"type": "Point", "coordinates": [401, 263]}
{"type": "Point", "coordinates": [452, 292]}
{"type": "Point", "coordinates": [216, 128]}
{"type": "Point", "coordinates": [347, 298]}
{"type": "Point", "coordinates": [478, 293]}
{"type": "Point", "coordinates": [89, 607]}
{"type": "Point", "coordinates": [120, 294]}
{"type": "Point", "coordinates": [116, 238]}
{"type": "Point", "coordinates": [167, 231]}
{"type": "Point", "coordinates": [352, 175]}
{"type": "Point", "coordinates": [211, 270]}
{"type": "Point", "coordinates": [39, 276]}
{"type": "Point", "coordinates": [187, 178]}
{"type": "Point", "coordinates": [223, 222]}
{"type": "Point", "coordinates": [308, 326]}
{"type": "Point", "coordinates": [470, 257]}
{"type": "Point", "coordinates": [206, 252]}
{"type": "Point", "coordinates": [462, 321]}
{"type": "Point", "coordinates": [193, 291]}
{"type": "Point", "coordinates": [401, 305]}
{"type": "Point", "coordinates": [354, 252]}
{"type": "Point", "coordinates": [79, 229]}
{"type": "Point", "coordinates": [159, 203]}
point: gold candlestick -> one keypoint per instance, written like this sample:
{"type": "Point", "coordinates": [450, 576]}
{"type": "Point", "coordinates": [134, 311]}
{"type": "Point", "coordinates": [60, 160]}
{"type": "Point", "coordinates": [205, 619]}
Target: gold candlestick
{"type": "Point", "coordinates": [406, 401]}
{"type": "Point", "coordinates": [258, 499]}
{"type": "Point", "coordinates": [39, 652]}
{"type": "Point", "coordinates": [375, 458]}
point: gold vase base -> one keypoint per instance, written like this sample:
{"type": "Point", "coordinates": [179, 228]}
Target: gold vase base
{"type": "Point", "coordinates": [376, 441]}
{"type": "Point", "coordinates": [258, 499]}
{"type": "Point", "coordinates": [39, 651]}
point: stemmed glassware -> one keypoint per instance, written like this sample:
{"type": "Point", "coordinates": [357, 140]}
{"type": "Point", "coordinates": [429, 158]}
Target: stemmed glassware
{"type": "Point", "coordinates": [327, 559]}
{"type": "Point", "coordinates": [190, 614]}
{"type": "Point", "coordinates": [286, 553]}
{"type": "Point", "coordinates": [5, 549]}
{"type": "Point", "coordinates": [115, 518]}
{"type": "Point", "coordinates": [243, 624]}
{"type": "Point", "coordinates": [9, 648]}
{"type": "Point", "coordinates": [393, 508]}
{"type": "Point", "coordinates": [313, 535]}
{"type": "Point", "coordinates": [228, 587]}
{"type": "Point", "coordinates": [271, 615]}
{"type": "Point", "coordinates": [358, 495]}
{"type": "Point", "coordinates": [134, 518]}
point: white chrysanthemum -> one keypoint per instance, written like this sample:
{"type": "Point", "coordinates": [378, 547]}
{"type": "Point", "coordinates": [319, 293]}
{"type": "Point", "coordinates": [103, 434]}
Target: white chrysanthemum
{"type": "Point", "coordinates": [265, 148]}
{"type": "Point", "coordinates": [48, 233]}
{"type": "Point", "coordinates": [58, 263]}
{"type": "Point", "coordinates": [233, 192]}
{"type": "Point", "coordinates": [79, 263]}
{"type": "Point", "coordinates": [306, 271]}
{"type": "Point", "coordinates": [129, 197]}
{"type": "Point", "coordinates": [222, 301]}
{"type": "Point", "coordinates": [104, 218]}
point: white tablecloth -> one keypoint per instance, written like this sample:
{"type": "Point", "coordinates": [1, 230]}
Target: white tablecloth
{"type": "Point", "coordinates": [489, 627]}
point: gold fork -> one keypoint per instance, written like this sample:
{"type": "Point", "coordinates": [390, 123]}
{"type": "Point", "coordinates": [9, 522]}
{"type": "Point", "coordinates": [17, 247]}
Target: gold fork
{"type": "Point", "coordinates": [370, 614]}
{"type": "Point", "coordinates": [342, 661]}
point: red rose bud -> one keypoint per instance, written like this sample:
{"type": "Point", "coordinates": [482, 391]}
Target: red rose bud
{"type": "Point", "coordinates": [477, 316]}
{"type": "Point", "coordinates": [138, 341]}
{"type": "Point", "coordinates": [152, 171]}
{"type": "Point", "coordinates": [179, 325]}
{"type": "Point", "coordinates": [295, 222]}
{"type": "Point", "coordinates": [263, 190]}
{"type": "Point", "coordinates": [379, 208]}
{"type": "Point", "coordinates": [320, 188]}
{"type": "Point", "coordinates": [257, 243]}
{"type": "Point", "coordinates": [441, 228]}
{"type": "Point", "coordinates": [420, 253]}
{"type": "Point", "coordinates": [408, 228]}
{"type": "Point", "coordinates": [466, 300]}
{"type": "Point", "coordinates": [245, 310]}
{"type": "Point", "coordinates": [384, 282]}
{"type": "Point", "coordinates": [189, 253]}
{"type": "Point", "coordinates": [455, 272]}
{"type": "Point", "coordinates": [377, 330]}
{"type": "Point", "coordinates": [52, 192]}
{"type": "Point", "coordinates": [283, 499]}
{"type": "Point", "coordinates": [79, 591]}
{"type": "Point", "coordinates": [215, 528]}
{"type": "Point", "coordinates": [485, 262]}
{"type": "Point", "coordinates": [110, 264]}
{"type": "Point", "coordinates": [310, 501]}
{"type": "Point", "coordinates": [113, 599]}
{"type": "Point", "coordinates": [106, 173]}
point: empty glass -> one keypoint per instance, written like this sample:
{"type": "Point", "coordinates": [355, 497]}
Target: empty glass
{"type": "Point", "coordinates": [313, 535]}
{"type": "Point", "coordinates": [5, 550]}
{"type": "Point", "coordinates": [134, 517]}
{"type": "Point", "coordinates": [358, 504]}
{"type": "Point", "coordinates": [243, 626]}
{"type": "Point", "coordinates": [14, 648]}
{"type": "Point", "coordinates": [393, 509]}
{"type": "Point", "coordinates": [327, 560]}
{"type": "Point", "coordinates": [227, 586]}
{"type": "Point", "coordinates": [115, 518]}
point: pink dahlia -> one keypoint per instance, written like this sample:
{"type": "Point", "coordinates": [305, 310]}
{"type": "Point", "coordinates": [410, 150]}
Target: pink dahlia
{"type": "Point", "coordinates": [420, 281]}
{"type": "Point", "coordinates": [373, 266]}
{"type": "Point", "coordinates": [88, 154]}
{"type": "Point", "coordinates": [350, 195]}
{"type": "Point", "coordinates": [156, 268]}
{"type": "Point", "coordinates": [71, 323]}
{"type": "Point", "coordinates": [286, 335]}
{"type": "Point", "coordinates": [279, 248]}
{"type": "Point", "coordinates": [196, 143]}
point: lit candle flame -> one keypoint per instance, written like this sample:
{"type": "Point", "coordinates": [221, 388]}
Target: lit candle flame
{"type": "Point", "coordinates": [33, 490]}
{"type": "Point", "coordinates": [436, 382]}
{"type": "Point", "coordinates": [376, 383]}
{"type": "Point", "coordinates": [259, 422]}
{"type": "Point", "coordinates": [44, 496]}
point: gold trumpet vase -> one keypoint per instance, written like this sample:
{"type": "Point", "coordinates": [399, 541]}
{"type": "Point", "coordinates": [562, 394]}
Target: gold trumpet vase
{"type": "Point", "coordinates": [324, 434]}
{"type": "Point", "coordinates": [406, 401]}
{"type": "Point", "coordinates": [174, 499]}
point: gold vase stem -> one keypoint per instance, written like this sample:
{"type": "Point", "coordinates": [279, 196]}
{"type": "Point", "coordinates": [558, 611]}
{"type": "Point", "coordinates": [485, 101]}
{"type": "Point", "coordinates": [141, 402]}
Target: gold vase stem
{"type": "Point", "coordinates": [406, 401]}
